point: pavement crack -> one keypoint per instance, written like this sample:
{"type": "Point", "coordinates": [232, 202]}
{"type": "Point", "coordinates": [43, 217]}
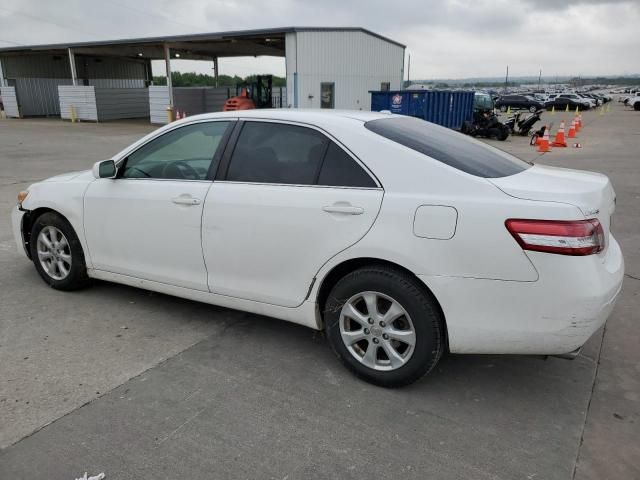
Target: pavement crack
{"type": "Point", "coordinates": [591, 393]}
{"type": "Point", "coordinates": [631, 276]}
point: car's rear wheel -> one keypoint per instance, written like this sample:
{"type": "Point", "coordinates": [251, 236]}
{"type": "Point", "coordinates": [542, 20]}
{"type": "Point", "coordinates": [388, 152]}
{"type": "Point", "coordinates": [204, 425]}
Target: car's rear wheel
{"type": "Point", "coordinates": [384, 326]}
{"type": "Point", "coordinates": [533, 109]}
{"type": "Point", "coordinates": [57, 253]}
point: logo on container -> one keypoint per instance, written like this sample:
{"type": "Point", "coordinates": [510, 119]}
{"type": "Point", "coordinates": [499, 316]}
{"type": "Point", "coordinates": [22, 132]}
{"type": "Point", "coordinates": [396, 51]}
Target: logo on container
{"type": "Point", "coordinates": [396, 100]}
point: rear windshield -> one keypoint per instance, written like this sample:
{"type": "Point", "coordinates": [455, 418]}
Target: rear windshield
{"type": "Point", "coordinates": [447, 146]}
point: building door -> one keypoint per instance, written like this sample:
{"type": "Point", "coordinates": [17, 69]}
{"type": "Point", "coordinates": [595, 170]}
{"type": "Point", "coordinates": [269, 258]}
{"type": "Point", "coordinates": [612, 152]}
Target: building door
{"type": "Point", "coordinates": [327, 95]}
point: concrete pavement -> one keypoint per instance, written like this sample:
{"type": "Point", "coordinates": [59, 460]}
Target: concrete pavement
{"type": "Point", "coordinates": [144, 385]}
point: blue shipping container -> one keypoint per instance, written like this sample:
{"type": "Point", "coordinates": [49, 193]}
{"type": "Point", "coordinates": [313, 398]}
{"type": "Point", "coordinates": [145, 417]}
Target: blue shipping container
{"type": "Point", "coordinates": [444, 107]}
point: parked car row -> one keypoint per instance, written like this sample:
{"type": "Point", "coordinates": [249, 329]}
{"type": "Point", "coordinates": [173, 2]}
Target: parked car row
{"type": "Point", "coordinates": [632, 101]}
{"type": "Point", "coordinates": [537, 101]}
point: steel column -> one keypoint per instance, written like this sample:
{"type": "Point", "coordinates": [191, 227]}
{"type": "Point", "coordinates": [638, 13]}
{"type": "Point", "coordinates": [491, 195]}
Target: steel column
{"type": "Point", "coordinates": [72, 64]}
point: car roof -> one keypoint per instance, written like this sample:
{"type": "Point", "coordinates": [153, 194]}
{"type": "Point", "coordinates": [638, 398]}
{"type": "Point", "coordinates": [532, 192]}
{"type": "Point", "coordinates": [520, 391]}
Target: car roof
{"type": "Point", "coordinates": [295, 114]}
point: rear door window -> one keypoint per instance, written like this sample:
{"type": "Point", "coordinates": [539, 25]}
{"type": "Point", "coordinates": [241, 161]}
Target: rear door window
{"type": "Point", "coordinates": [449, 147]}
{"type": "Point", "coordinates": [269, 152]}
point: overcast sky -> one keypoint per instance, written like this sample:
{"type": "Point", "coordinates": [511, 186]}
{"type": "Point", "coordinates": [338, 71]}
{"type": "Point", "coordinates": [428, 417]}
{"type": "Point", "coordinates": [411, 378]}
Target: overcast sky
{"type": "Point", "coordinates": [446, 38]}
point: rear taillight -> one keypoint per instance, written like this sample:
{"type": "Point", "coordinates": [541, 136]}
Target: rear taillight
{"type": "Point", "coordinates": [580, 237]}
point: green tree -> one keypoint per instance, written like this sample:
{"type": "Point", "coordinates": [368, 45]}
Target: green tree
{"type": "Point", "coordinates": [192, 79]}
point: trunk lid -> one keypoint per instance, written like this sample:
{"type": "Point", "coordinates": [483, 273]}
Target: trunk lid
{"type": "Point", "coordinates": [591, 192]}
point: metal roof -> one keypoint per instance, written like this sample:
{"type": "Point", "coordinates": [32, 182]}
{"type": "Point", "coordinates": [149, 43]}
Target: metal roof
{"type": "Point", "coordinates": [267, 41]}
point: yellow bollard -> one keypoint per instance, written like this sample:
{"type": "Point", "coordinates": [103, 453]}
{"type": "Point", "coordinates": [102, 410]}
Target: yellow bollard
{"type": "Point", "coordinates": [567, 109]}
{"type": "Point", "coordinates": [553, 109]}
{"type": "Point", "coordinates": [577, 109]}
{"type": "Point", "coordinates": [602, 110]}
{"type": "Point", "coordinates": [608, 107]}
{"type": "Point", "coordinates": [169, 114]}
{"type": "Point", "coordinates": [74, 116]}
{"type": "Point", "coordinates": [509, 110]}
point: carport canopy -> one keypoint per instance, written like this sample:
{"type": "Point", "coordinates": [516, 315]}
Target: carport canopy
{"type": "Point", "coordinates": [202, 46]}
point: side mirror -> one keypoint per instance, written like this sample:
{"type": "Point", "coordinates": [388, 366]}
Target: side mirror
{"type": "Point", "coordinates": [104, 169]}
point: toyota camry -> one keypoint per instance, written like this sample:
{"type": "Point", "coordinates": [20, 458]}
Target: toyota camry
{"type": "Point", "coordinates": [402, 240]}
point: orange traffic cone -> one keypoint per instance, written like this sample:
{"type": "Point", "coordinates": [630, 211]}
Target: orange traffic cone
{"type": "Point", "coordinates": [559, 141]}
{"type": "Point", "coordinates": [544, 142]}
{"type": "Point", "coordinates": [178, 117]}
{"type": "Point", "coordinates": [572, 129]}
{"type": "Point", "coordinates": [580, 120]}
{"type": "Point", "coordinates": [578, 123]}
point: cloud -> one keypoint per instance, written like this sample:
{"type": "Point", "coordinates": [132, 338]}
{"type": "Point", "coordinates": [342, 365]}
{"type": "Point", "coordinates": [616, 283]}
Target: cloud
{"type": "Point", "coordinates": [453, 38]}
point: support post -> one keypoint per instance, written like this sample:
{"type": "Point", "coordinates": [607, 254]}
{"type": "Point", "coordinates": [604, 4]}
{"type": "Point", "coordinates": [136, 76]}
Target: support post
{"type": "Point", "coordinates": [215, 68]}
{"type": "Point", "coordinates": [3, 83]}
{"type": "Point", "coordinates": [72, 64]}
{"type": "Point", "coordinates": [167, 63]}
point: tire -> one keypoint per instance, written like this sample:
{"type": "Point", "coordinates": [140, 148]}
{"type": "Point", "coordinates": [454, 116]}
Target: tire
{"type": "Point", "coordinates": [503, 108]}
{"type": "Point", "coordinates": [504, 133]}
{"type": "Point", "coordinates": [53, 243]}
{"type": "Point", "coordinates": [533, 109]}
{"type": "Point", "coordinates": [386, 288]}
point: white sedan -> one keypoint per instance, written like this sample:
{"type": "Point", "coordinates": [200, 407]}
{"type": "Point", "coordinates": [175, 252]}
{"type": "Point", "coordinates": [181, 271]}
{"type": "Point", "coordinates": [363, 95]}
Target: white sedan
{"type": "Point", "coordinates": [401, 239]}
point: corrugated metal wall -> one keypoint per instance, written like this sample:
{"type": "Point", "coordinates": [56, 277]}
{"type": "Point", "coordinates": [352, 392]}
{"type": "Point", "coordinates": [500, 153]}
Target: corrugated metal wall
{"type": "Point", "coordinates": [57, 66]}
{"type": "Point", "coordinates": [214, 98]}
{"type": "Point", "coordinates": [83, 98]}
{"type": "Point", "coordinates": [39, 96]}
{"type": "Point", "coordinates": [189, 100]}
{"type": "Point", "coordinates": [355, 62]}
{"type": "Point", "coordinates": [10, 102]}
{"type": "Point", "coordinates": [117, 82]}
{"type": "Point", "coordinates": [37, 78]}
{"type": "Point", "coordinates": [158, 103]}
{"type": "Point", "coordinates": [120, 103]}
{"type": "Point", "coordinates": [36, 66]}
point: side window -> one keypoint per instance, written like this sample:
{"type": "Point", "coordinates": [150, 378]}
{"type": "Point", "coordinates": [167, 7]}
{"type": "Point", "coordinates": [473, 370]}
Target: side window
{"type": "Point", "coordinates": [277, 153]}
{"type": "Point", "coordinates": [340, 170]}
{"type": "Point", "coordinates": [182, 154]}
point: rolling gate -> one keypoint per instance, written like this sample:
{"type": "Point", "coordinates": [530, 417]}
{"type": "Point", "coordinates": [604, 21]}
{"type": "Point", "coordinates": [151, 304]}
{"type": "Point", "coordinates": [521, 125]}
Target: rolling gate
{"type": "Point", "coordinates": [442, 107]}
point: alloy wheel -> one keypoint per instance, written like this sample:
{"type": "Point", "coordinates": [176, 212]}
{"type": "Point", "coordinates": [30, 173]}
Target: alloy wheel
{"type": "Point", "coordinates": [54, 252]}
{"type": "Point", "coordinates": [377, 331]}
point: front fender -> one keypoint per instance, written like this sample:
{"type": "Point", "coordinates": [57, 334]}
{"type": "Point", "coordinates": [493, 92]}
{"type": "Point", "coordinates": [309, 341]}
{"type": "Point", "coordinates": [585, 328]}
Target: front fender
{"type": "Point", "coordinates": [65, 198]}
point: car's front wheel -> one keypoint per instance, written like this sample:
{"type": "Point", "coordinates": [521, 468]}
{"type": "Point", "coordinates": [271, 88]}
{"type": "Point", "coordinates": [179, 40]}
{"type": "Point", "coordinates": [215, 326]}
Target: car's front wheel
{"type": "Point", "coordinates": [57, 252]}
{"type": "Point", "coordinates": [384, 326]}
{"type": "Point", "coordinates": [533, 109]}
{"type": "Point", "coordinates": [503, 108]}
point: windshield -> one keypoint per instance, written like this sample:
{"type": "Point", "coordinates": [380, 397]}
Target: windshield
{"type": "Point", "coordinates": [447, 146]}
{"type": "Point", "coordinates": [482, 101]}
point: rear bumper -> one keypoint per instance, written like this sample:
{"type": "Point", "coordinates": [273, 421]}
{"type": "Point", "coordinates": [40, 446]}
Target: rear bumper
{"type": "Point", "coordinates": [16, 225]}
{"type": "Point", "coordinates": [557, 314]}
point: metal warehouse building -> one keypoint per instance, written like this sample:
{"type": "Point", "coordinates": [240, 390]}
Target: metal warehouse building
{"type": "Point", "coordinates": [106, 80]}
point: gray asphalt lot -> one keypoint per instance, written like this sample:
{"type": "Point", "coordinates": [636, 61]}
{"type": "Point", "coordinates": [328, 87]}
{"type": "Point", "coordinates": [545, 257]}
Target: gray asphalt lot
{"type": "Point", "coordinates": [142, 385]}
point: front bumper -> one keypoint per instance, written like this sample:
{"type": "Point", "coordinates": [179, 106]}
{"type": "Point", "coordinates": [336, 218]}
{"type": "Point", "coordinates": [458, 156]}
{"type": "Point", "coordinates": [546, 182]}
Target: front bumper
{"type": "Point", "coordinates": [554, 315]}
{"type": "Point", "coordinates": [16, 225]}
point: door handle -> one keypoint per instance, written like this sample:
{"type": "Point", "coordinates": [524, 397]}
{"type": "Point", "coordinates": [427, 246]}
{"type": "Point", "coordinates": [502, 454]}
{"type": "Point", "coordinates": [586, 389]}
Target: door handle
{"type": "Point", "coordinates": [185, 200]}
{"type": "Point", "coordinates": [345, 209]}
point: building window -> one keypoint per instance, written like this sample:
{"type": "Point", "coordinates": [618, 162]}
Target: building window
{"type": "Point", "coordinates": [385, 86]}
{"type": "Point", "coordinates": [327, 95]}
